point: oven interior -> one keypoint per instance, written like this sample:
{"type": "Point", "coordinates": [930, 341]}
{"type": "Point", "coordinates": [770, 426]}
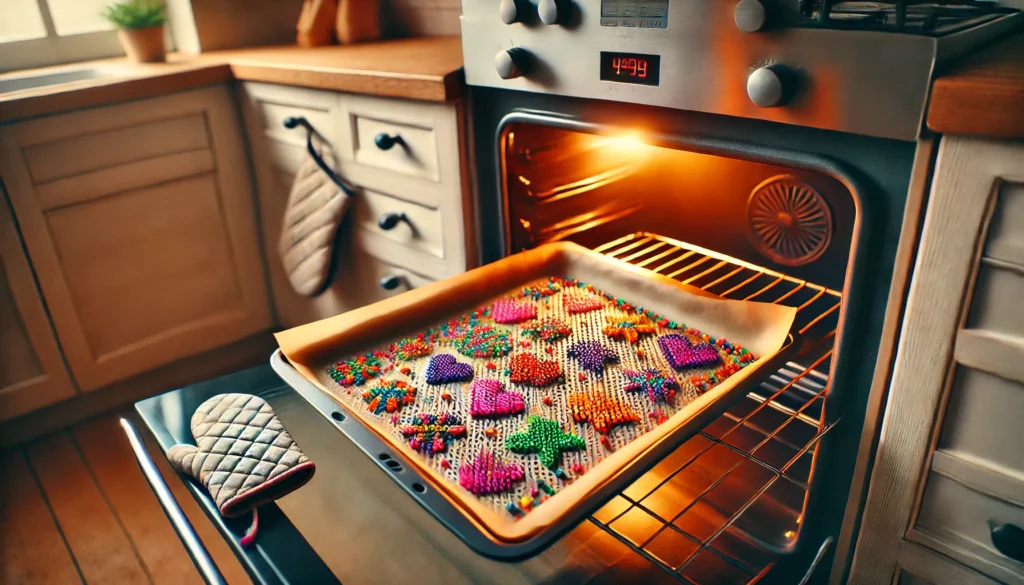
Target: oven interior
{"type": "Point", "coordinates": [728, 504]}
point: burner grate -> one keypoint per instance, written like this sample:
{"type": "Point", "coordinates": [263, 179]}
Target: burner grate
{"type": "Point", "coordinates": [928, 17]}
{"type": "Point", "coordinates": [729, 501]}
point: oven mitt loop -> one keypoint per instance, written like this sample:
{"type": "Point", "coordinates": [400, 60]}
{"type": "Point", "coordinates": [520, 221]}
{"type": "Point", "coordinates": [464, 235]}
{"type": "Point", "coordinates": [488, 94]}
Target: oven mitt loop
{"type": "Point", "coordinates": [243, 455]}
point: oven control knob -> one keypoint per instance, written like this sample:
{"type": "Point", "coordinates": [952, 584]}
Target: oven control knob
{"type": "Point", "coordinates": [509, 11]}
{"type": "Point", "coordinates": [553, 11]}
{"type": "Point", "coordinates": [512, 63]}
{"type": "Point", "coordinates": [768, 86]}
{"type": "Point", "coordinates": [749, 15]}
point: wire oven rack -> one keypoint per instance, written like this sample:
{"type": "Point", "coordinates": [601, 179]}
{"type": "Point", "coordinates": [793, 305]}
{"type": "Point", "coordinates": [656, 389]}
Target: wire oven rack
{"type": "Point", "coordinates": [729, 501]}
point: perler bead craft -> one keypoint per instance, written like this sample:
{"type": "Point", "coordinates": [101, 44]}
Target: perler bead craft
{"type": "Point", "coordinates": [526, 368]}
{"type": "Point", "coordinates": [592, 356]}
{"type": "Point", "coordinates": [545, 438]}
{"type": "Point", "coordinates": [540, 291]}
{"type": "Point", "coordinates": [682, 354]}
{"type": "Point", "coordinates": [548, 329]}
{"type": "Point", "coordinates": [600, 411]}
{"type": "Point", "coordinates": [510, 311]}
{"type": "Point", "coordinates": [444, 368]}
{"type": "Point", "coordinates": [388, 396]}
{"type": "Point", "coordinates": [659, 388]}
{"type": "Point", "coordinates": [577, 303]}
{"type": "Point", "coordinates": [488, 399]}
{"type": "Point", "coordinates": [533, 389]}
{"type": "Point", "coordinates": [476, 340]}
{"type": "Point", "coordinates": [412, 348]}
{"type": "Point", "coordinates": [629, 328]}
{"type": "Point", "coordinates": [358, 370]}
{"type": "Point", "coordinates": [432, 433]}
{"type": "Point", "coordinates": [488, 474]}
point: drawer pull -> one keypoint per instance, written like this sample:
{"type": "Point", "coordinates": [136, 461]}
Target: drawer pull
{"type": "Point", "coordinates": [1008, 539]}
{"type": "Point", "coordinates": [391, 281]}
{"type": "Point", "coordinates": [388, 221]}
{"type": "Point", "coordinates": [386, 141]}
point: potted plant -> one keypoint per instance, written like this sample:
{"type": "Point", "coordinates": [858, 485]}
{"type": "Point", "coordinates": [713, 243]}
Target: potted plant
{"type": "Point", "coordinates": [140, 27]}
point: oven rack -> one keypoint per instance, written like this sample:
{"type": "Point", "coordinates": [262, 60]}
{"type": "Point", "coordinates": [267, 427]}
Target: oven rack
{"type": "Point", "coordinates": [728, 502]}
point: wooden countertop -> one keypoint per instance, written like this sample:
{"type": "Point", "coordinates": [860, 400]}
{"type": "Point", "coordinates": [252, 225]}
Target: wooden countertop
{"type": "Point", "coordinates": [427, 69]}
{"type": "Point", "coordinates": [982, 94]}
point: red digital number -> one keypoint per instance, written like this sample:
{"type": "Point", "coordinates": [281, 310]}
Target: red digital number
{"type": "Point", "coordinates": [631, 66]}
{"type": "Point", "coordinates": [616, 64]}
{"type": "Point", "coordinates": [641, 68]}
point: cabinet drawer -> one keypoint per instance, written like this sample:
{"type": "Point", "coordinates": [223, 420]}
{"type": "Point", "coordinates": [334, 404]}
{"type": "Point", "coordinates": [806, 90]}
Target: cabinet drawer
{"type": "Point", "coordinates": [954, 520]}
{"type": "Point", "coordinates": [272, 104]}
{"type": "Point", "coordinates": [996, 302]}
{"type": "Point", "coordinates": [424, 168]}
{"type": "Point", "coordinates": [401, 147]}
{"type": "Point", "coordinates": [1006, 232]}
{"type": "Point", "coordinates": [982, 419]}
{"type": "Point", "coordinates": [376, 273]}
{"type": "Point", "coordinates": [421, 229]}
{"type": "Point", "coordinates": [385, 250]}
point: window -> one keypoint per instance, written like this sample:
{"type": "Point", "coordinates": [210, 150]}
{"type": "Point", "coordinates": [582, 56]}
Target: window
{"type": "Point", "coordinates": [35, 33]}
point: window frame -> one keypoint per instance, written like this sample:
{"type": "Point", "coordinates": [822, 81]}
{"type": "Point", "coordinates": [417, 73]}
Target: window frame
{"type": "Point", "coordinates": [54, 49]}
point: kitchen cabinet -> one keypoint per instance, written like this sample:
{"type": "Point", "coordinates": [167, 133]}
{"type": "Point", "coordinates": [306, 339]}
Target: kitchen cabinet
{"type": "Point", "coordinates": [140, 224]}
{"type": "Point", "coordinates": [32, 371]}
{"type": "Point", "coordinates": [949, 466]}
{"type": "Point", "coordinates": [408, 163]}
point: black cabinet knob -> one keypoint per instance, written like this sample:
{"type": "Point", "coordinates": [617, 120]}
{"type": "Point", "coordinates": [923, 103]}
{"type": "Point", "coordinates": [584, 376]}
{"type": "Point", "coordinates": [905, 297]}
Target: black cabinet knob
{"type": "Point", "coordinates": [391, 281]}
{"type": "Point", "coordinates": [386, 141]}
{"type": "Point", "coordinates": [389, 220]}
{"type": "Point", "coordinates": [1008, 539]}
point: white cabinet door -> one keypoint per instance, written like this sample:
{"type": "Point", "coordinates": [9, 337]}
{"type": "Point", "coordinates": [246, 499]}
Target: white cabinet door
{"type": "Point", "coordinates": [140, 223]}
{"type": "Point", "coordinates": [32, 371]}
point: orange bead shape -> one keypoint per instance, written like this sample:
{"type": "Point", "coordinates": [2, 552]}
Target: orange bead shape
{"type": "Point", "coordinates": [600, 411]}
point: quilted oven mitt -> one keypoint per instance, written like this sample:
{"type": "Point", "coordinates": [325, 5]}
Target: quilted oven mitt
{"type": "Point", "coordinates": [243, 456]}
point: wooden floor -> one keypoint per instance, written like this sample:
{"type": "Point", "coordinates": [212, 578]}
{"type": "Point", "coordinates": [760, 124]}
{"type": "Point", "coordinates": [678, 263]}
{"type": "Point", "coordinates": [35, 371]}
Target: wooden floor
{"type": "Point", "coordinates": [74, 508]}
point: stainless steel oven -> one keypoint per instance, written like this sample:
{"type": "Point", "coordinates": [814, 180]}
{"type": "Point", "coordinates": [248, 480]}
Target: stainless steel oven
{"type": "Point", "coordinates": [759, 150]}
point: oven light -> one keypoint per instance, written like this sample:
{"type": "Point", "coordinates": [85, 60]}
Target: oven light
{"type": "Point", "coordinates": [789, 534]}
{"type": "Point", "coordinates": [628, 145]}
{"type": "Point", "coordinates": [627, 141]}
{"type": "Point", "coordinates": [524, 180]}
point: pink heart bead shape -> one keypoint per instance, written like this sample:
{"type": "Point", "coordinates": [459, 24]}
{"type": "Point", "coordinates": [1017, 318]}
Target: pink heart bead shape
{"type": "Point", "coordinates": [444, 368]}
{"type": "Point", "coordinates": [682, 354]}
{"type": "Point", "coordinates": [489, 399]}
{"type": "Point", "coordinates": [575, 304]}
{"type": "Point", "coordinates": [509, 311]}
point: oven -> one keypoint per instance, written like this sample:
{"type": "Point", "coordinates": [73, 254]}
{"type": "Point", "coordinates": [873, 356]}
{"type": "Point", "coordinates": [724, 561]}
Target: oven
{"type": "Point", "coordinates": [763, 151]}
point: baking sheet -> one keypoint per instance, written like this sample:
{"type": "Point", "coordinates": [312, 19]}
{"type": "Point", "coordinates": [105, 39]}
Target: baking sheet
{"type": "Point", "coordinates": [762, 328]}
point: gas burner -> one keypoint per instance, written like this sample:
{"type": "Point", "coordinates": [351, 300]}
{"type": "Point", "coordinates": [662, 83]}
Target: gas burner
{"type": "Point", "coordinates": [922, 17]}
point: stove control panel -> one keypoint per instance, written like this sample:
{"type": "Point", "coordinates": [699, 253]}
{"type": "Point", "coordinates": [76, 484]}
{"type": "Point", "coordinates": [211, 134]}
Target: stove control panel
{"type": "Point", "coordinates": [712, 56]}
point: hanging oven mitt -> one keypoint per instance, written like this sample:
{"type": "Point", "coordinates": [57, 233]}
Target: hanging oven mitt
{"type": "Point", "coordinates": [316, 206]}
{"type": "Point", "coordinates": [243, 456]}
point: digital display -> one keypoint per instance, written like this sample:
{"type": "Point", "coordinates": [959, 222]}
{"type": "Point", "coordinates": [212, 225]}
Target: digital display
{"type": "Point", "coordinates": [631, 68]}
{"type": "Point", "coordinates": [634, 13]}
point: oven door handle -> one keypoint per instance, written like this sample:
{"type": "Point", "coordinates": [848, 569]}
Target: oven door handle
{"type": "Point", "coordinates": [200, 556]}
{"type": "Point", "coordinates": [817, 560]}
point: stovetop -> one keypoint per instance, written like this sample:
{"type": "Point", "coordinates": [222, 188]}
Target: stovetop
{"type": "Point", "coordinates": [920, 17]}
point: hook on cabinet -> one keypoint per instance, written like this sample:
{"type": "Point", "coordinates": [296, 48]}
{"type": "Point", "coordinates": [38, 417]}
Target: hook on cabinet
{"type": "Point", "coordinates": [292, 122]}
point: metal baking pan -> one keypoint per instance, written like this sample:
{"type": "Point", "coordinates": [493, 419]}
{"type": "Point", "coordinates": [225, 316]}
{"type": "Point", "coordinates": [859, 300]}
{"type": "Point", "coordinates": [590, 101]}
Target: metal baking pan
{"type": "Point", "coordinates": [363, 329]}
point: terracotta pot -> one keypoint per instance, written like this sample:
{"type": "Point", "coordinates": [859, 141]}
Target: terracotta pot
{"type": "Point", "coordinates": [143, 45]}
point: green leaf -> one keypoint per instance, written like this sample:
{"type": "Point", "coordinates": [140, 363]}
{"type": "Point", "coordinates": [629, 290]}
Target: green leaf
{"type": "Point", "coordinates": [136, 14]}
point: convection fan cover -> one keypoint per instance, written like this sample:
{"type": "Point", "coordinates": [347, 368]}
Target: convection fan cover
{"type": "Point", "coordinates": [790, 222]}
